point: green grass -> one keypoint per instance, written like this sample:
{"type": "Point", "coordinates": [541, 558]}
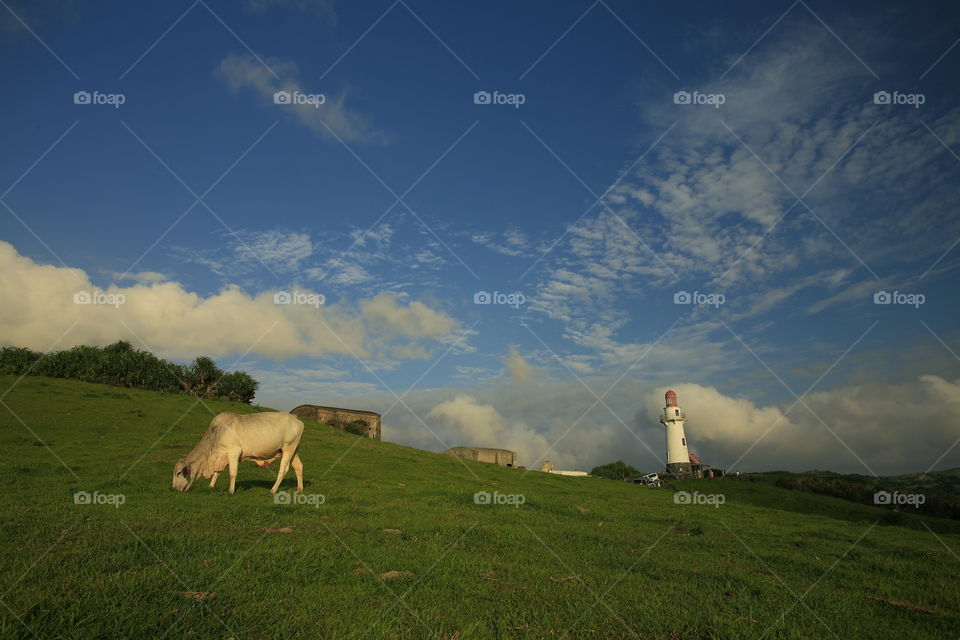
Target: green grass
{"type": "Point", "coordinates": [582, 558]}
{"type": "Point", "coordinates": [940, 491]}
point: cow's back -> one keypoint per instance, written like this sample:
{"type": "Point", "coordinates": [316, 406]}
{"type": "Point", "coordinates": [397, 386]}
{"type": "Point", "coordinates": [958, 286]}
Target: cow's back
{"type": "Point", "coordinates": [259, 433]}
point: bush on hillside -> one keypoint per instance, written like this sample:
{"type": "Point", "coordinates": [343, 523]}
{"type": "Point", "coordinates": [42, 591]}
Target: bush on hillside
{"type": "Point", "coordinates": [120, 365]}
{"type": "Point", "coordinates": [357, 427]}
{"type": "Point", "coordinates": [237, 385]}
{"type": "Point", "coordinates": [618, 470]}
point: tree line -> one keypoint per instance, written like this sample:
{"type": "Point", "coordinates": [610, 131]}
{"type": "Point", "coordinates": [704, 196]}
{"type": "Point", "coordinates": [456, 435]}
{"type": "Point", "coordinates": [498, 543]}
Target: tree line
{"type": "Point", "coordinates": [120, 365]}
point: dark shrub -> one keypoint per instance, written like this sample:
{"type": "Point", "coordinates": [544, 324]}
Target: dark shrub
{"type": "Point", "coordinates": [238, 386]}
{"type": "Point", "coordinates": [357, 427]}
{"type": "Point", "coordinates": [618, 470]}
{"type": "Point", "coordinates": [120, 365]}
{"type": "Point", "coordinates": [17, 360]}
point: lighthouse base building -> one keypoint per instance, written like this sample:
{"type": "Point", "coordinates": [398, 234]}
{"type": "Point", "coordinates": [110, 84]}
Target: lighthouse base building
{"type": "Point", "coordinates": [680, 470]}
{"type": "Point", "coordinates": [693, 469]}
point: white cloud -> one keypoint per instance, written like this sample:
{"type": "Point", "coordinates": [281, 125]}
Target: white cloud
{"type": "Point", "coordinates": [520, 370]}
{"type": "Point", "coordinates": [800, 101]}
{"type": "Point", "coordinates": [275, 248]}
{"type": "Point", "coordinates": [37, 303]}
{"type": "Point", "coordinates": [413, 320]}
{"type": "Point", "coordinates": [466, 422]}
{"type": "Point", "coordinates": [246, 72]}
{"type": "Point", "coordinates": [892, 428]}
{"type": "Point", "coordinates": [246, 252]}
{"type": "Point", "coordinates": [475, 374]}
{"type": "Point", "coordinates": [285, 389]}
{"type": "Point", "coordinates": [700, 200]}
{"type": "Point", "coordinates": [370, 260]}
{"type": "Point", "coordinates": [380, 236]}
{"type": "Point", "coordinates": [357, 263]}
{"type": "Point", "coordinates": [341, 273]}
{"type": "Point", "coordinates": [509, 243]}
{"type": "Point", "coordinates": [143, 277]}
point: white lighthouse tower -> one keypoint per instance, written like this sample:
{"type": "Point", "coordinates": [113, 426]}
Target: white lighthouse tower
{"type": "Point", "coordinates": [678, 457]}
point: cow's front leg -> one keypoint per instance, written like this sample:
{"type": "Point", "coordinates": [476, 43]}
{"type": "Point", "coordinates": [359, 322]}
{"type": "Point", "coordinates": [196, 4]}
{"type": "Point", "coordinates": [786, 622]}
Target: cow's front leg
{"type": "Point", "coordinates": [213, 480]}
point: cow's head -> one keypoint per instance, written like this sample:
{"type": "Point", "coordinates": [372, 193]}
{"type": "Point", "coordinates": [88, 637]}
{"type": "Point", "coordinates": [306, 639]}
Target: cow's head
{"type": "Point", "coordinates": [182, 478]}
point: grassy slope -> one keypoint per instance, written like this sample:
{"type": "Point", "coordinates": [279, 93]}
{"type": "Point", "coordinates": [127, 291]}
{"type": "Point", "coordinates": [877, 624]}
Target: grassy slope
{"type": "Point", "coordinates": [645, 566]}
{"type": "Point", "coordinates": [764, 494]}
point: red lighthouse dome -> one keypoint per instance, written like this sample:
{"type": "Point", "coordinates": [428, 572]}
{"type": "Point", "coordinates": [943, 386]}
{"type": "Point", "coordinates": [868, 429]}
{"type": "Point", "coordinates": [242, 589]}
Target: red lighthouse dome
{"type": "Point", "coordinates": [671, 397]}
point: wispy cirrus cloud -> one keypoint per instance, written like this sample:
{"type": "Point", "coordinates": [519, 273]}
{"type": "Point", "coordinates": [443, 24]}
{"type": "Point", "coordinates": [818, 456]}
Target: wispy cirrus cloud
{"type": "Point", "coordinates": [142, 277]}
{"type": "Point", "coordinates": [799, 120]}
{"type": "Point", "coordinates": [250, 251]}
{"type": "Point", "coordinates": [275, 248]}
{"type": "Point", "coordinates": [715, 202]}
{"type": "Point", "coordinates": [332, 119]}
{"type": "Point", "coordinates": [511, 242]}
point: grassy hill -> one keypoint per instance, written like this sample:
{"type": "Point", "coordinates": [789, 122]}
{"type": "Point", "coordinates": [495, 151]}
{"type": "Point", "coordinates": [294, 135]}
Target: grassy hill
{"type": "Point", "coordinates": [851, 500]}
{"type": "Point", "coordinates": [940, 491]}
{"type": "Point", "coordinates": [400, 549]}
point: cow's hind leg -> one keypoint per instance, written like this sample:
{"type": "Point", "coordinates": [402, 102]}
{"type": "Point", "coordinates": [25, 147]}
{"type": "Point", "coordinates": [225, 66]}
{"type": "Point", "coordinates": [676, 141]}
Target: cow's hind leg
{"type": "Point", "coordinates": [234, 460]}
{"type": "Point", "coordinates": [213, 480]}
{"type": "Point", "coordinates": [284, 467]}
{"type": "Point", "coordinates": [298, 469]}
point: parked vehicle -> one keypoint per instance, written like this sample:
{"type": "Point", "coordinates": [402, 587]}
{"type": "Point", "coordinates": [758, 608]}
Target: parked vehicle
{"type": "Point", "coordinates": [649, 480]}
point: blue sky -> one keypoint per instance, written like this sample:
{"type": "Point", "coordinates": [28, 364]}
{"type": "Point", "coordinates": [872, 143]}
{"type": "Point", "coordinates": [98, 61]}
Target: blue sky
{"type": "Point", "coordinates": [788, 193]}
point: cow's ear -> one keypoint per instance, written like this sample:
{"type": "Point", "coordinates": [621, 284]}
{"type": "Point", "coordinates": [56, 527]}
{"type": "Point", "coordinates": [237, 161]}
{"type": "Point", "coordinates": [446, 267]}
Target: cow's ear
{"type": "Point", "coordinates": [186, 472]}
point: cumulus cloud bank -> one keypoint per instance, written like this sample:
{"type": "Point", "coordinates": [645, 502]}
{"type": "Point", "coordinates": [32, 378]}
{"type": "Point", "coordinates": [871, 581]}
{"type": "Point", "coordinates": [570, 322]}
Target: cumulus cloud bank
{"type": "Point", "coordinates": [519, 369]}
{"type": "Point", "coordinates": [38, 310]}
{"type": "Point", "coordinates": [464, 421]}
{"type": "Point", "coordinates": [883, 428]}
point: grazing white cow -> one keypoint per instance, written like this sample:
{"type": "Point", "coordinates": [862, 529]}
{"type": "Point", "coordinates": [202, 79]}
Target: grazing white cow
{"type": "Point", "coordinates": [232, 437]}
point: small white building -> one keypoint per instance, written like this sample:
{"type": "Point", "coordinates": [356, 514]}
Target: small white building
{"type": "Point", "coordinates": [547, 467]}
